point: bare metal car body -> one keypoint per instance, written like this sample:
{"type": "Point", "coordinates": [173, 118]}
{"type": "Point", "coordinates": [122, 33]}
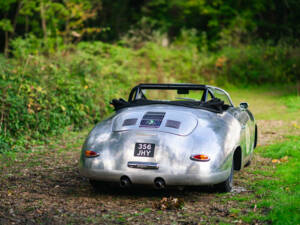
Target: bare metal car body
{"type": "Point", "coordinates": [154, 142]}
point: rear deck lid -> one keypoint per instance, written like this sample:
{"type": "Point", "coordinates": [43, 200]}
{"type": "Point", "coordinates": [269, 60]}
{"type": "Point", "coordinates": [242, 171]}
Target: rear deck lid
{"type": "Point", "coordinates": [171, 121]}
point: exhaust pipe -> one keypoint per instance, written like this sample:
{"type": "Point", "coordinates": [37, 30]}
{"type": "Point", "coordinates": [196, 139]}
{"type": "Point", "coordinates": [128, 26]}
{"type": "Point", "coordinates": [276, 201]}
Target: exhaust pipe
{"type": "Point", "coordinates": [159, 183]}
{"type": "Point", "coordinates": [125, 182]}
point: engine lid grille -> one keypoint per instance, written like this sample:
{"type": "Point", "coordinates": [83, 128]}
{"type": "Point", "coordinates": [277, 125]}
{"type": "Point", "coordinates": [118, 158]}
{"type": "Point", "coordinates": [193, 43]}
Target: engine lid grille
{"type": "Point", "coordinates": [157, 120]}
{"type": "Point", "coordinates": [129, 122]}
{"type": "Point", "coordinates": [152, 119]}
{"type": "Point", "coordinates": [173, 124]}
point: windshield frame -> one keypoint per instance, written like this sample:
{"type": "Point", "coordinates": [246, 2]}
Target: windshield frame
{"type": "Point", "coordinates": [213, 89]}
{"type": "Point", "coordinates": [137, 91]}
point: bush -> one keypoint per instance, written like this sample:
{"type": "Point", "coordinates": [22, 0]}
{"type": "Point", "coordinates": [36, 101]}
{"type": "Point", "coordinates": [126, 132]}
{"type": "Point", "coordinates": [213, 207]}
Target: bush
{"type": "Point", "coordinates": [42, 95]}
{"type": "Point", "coordinates": [258, 64]}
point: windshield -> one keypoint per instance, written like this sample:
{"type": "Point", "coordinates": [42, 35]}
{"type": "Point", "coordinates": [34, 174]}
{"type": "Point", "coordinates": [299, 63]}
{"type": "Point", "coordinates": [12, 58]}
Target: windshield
{"type": "Point", "coordinates": [170, 95]}
{"type": "Point", "coordinates": [186, 95]}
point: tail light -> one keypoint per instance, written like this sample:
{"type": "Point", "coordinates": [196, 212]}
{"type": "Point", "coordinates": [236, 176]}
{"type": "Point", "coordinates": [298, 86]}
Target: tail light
{"type": "Point", "coordinates": [90, 154]}
{"type": "Point", "coordinates": [200, 157]}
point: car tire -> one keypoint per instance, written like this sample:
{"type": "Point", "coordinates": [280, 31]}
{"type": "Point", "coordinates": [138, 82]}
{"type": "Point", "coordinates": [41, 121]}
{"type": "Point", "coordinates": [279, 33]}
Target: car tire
{"type": "Point", "coordinates": [226, 185]}
{"type": "Point", "coordinates": [255, 137]}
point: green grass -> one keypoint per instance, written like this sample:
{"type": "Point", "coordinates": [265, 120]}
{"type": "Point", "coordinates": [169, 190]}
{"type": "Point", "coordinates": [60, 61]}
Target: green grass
{"type": "Point", "coordinates": [275, 186]}
{"type": "Point", "coordinates": [268, 103]}
{"type": "Point", "coordinates": [281, 193]}
{"type": "Point", "coordinates": [292, 103]}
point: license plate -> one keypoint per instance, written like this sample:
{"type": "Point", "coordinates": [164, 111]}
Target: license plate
{"type": "Point", "coordinates": [144, 149]}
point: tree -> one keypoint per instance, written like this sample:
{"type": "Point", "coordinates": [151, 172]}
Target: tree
{"type": "Point", "coordinates": [6, 24]}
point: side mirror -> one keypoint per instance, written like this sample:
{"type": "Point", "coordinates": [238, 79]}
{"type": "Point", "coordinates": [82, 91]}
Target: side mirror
{"type": "Point", "coordinates": [244, 105]}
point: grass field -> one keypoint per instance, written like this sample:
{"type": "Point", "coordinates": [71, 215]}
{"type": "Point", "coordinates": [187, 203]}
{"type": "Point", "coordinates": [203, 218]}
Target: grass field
{"type": "Point", "coordinates": [43, 186]}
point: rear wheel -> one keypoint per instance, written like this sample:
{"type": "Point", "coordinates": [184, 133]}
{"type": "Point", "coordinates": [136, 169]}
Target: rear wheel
{"type": "Point", "coordinates": [226, 185]}
{"type": "Point", "coordinates": [255, 137]}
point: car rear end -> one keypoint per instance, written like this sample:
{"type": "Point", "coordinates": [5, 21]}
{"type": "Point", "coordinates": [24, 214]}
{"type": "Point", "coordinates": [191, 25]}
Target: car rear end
{"type": "Point", "coordinates": [157, 145]}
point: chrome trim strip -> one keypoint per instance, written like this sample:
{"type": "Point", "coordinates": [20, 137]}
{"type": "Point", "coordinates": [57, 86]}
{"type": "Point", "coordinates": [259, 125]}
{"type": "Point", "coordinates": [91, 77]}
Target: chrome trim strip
{"type": "Point", "coordinates": [143, 165]}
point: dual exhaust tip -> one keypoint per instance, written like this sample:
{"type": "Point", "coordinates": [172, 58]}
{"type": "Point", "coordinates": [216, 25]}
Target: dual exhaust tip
{"type": "Point", "coordinates": [125, 182]}
{"type": "Point", "coordinates": [159, 183]}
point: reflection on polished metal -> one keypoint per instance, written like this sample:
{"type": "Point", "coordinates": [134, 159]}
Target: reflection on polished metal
{"type": "Point", "coordinates": [216, 135]}
{"type": "Point", "coordinates": [143, 165]}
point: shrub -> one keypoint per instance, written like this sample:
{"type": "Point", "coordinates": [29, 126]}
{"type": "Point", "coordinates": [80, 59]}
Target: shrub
{"type": "Point", "coordinates": [42, 95]}
{"type": "Point", "coordinates": [258, 64]}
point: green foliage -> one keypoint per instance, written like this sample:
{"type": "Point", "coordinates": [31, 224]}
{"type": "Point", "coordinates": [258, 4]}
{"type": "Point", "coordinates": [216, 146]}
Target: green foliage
{"type": "Point", "coordinates": [231, 21]}
{"type": "Point", "coordinates": [222, 22]}
{"type": "Point", "coordinates": [41, 95]}
{"type": "Point", "coordinates": [172, 63]}
{"type": "Point", "coordinates": [282, 193]}
{"type": "Point", "coordinates": [5, 25]}
{"type": "Point", "coordinates": [257, 64]}
{"type": "Point", "coordinates": [52, 20]}
{"type": "Point", "coordinates": [32, 45]}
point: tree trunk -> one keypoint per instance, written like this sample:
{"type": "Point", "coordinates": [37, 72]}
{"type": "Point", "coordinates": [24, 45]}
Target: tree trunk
{"type": "Point", "coordinates": [44, 25]}
{"type": "Point", "coordinates": [26, 25]}
{"type": "Point", "coordinates": [67, 31]}
{"type": "Point", "coordinates": [6, 44]}
{"type": "Point", "coordinates": [15, 18]}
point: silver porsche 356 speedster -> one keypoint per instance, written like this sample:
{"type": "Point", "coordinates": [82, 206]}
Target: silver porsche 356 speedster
{"type": "Point", "coordinates": [171, 135]}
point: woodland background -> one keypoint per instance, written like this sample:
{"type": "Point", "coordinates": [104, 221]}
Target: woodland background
{"type": "Point", "coordinates": [64, 60]}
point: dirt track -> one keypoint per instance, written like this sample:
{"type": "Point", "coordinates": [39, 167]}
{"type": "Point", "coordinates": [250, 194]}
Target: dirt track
{"type": "Point", "coordinates": [44, 187]}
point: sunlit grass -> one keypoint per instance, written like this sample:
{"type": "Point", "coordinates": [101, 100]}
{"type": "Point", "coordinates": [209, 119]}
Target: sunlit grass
{"type": "Point", "coordinates": [292, 102]}
{"type": "Point", "coordinates": [267, 103]}
{"type": "Point", "coordinates": [281, 194]}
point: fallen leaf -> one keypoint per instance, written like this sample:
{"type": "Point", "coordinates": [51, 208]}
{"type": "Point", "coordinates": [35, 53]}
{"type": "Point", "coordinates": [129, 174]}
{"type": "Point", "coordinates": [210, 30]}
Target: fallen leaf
{"type": "Point", "coordinates": [284, 159]}
{"type": "Point", "coordinates": [169, 203]}
{"type": "Point", "coordinates": [287, 189]}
